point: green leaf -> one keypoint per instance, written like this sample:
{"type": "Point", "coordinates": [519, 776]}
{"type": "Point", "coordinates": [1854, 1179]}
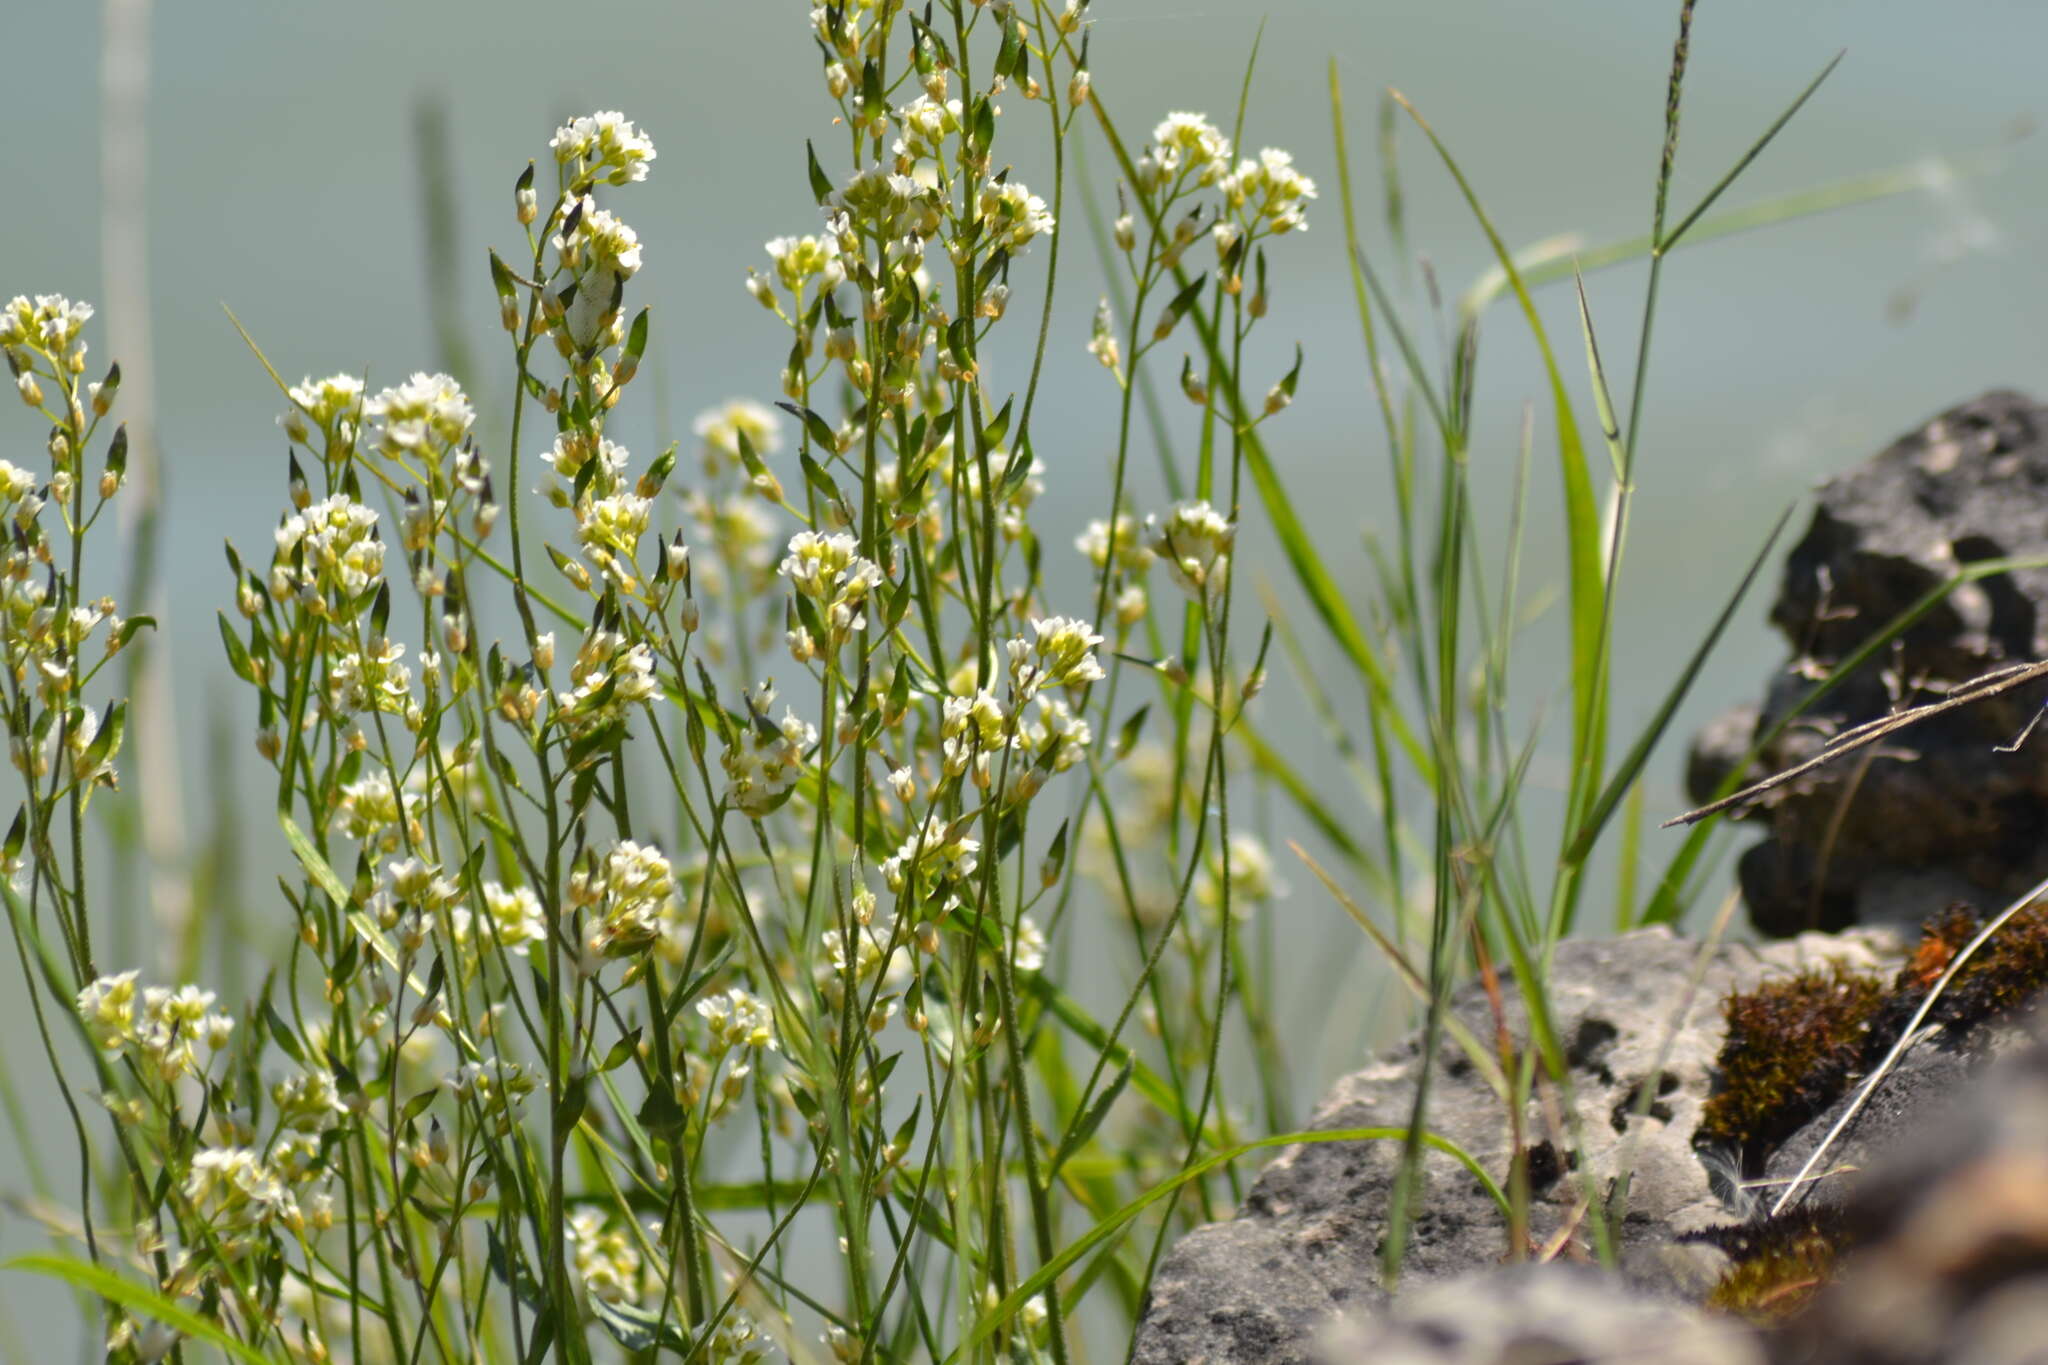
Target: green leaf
{"type": "Point", "coordinates": [137, 1298]}
{"type": "Point", "coordinates": [1090, 1120]}
{"type": "Point", "coordinates": [821, 184]}
{"type": "Point", "coordinates": [238, 654]}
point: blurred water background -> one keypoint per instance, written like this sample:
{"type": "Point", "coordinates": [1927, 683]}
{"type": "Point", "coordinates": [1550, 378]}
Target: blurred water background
{"type": "Point", "coordinates": [283, 180]}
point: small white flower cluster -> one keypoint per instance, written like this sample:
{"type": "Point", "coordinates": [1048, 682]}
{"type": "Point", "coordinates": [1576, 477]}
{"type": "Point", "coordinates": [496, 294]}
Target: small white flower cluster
{"type": "Point", "coordinates": [1061, 653]}
{"type": "Point", "coordinates": [829, 571]}
{"type": "Point", "coordinates": [371, 679]}
{"type": "Point", "coordinates": [611, 527]}
{"type": "Point", "coordinates": [628, 889]}
{"type": "Point", "coordinates": [428, 415]}
{"type": "Point", "coordinates": [1272, 190]}
{"type": "Point", "coordinates": [334, 405]}
{"type": "Point", "coordinates": [369, 811]}
{"type": "Point", "coordinates": [606, 1258]}
{"type": "Point", "coordinates": [1055, 733]}
{"type": "Point", "coordinates": [155, 1025]}
{"type": "Point", "coordinates": [604, 145]}
{"type": "Point", "coordinates": [876, 966]}
{"type": "Point", "coordinates": [48, 327]}
{"type": "Point", "coordinates": [235, 1191]}
{"type": "Point", "coordinates": [722, 428]}
{"type": "Point", "coordinates": [608, 676]}
{"type": "Point", "coordinates": [1015, 215]}
{"type": "Point", "coordinates": [926, 124]}
{"type": "Point", "coordinates": [932, 862]}
{"type": "Point", "coordinates": [51, 323]}
{"type": "Point", "coordinates": [331, 547]}
{"type": "Point", "coordinates": [598, 240]}
{"type": "Point", "coordinates": [1184, 144]}
{"type": "Point", "coordinates": [763, 761]}
{"type": "Point", "coordinates": [1195, 541]}
{"type": "Point", "coordinates": [1252, 881]}
{"type": "Point", "coordinates": [737, 1019]}
{"type": "Point", "coordinates": [309, 1101]}
{"type": "Point", "coordinates": [495, 1086]}
{"type": "Point", "coordinates": [972, 729]}
{"type": "Point", "coordinates": [514, 917]}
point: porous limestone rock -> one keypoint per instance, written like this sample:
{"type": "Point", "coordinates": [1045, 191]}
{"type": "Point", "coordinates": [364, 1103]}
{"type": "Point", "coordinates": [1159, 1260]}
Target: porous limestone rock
{"type": "Point", "coordinates": [1258, 1289]}
{"type": "Point", "coordinates": [1935, 812]}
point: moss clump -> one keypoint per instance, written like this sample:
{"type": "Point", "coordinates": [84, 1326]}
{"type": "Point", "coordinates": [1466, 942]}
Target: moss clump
{"type": "Point", "coordinates": [1779, 1265]}
{"type": "Point", "coordinates": [1792, 1046]}
{"type": "Point", "coordinates": [2005, 974]}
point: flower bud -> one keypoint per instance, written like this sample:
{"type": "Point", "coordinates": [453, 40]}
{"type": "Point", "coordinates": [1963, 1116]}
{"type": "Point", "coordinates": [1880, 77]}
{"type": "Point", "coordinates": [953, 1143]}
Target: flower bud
{"type": "Point", "coordinates": [837, 80]}
{"type": "Point", "coordinates": [1078, 87]}
{"type": "Point", "coordinates": [544, 651]}
{"type": "Point", "coordinates": [104, 391]}
{"type": "Point", "coordinates": [31, 392]}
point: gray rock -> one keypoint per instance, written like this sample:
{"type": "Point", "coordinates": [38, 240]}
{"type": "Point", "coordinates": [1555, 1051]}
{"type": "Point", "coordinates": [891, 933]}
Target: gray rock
{"type": "Point", "coordinates": [1954, 1230]}
{"type": "Point", "coordinates": [1258, 1288]}
{"type": "Point", "coordinates": [1539, 1315]}
{"type": "Point", "coordinates": [1933, 814]}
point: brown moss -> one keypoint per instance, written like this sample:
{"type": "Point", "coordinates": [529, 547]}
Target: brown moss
{"type": "Point", "coordinates": [1792, 1045]}
{"type": "Point", "coordinates": [2004, 976]}
{"type": "Point", "coordinates": [1778, 1265]}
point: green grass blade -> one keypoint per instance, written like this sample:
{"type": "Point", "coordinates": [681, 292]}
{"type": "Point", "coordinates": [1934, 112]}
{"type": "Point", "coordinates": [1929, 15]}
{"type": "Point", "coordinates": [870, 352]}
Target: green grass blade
{"type": "Point", "coordinates": [1756, 148]}
{"type": "Point", "coordinates": [1582, 519]}
{"type": "Point", "coordinates": [1630, 767]}
{"type": "Point", "coordinates": [140, 1299]}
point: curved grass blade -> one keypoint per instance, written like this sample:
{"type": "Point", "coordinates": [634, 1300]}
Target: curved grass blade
{"type": "Point", "coordinates": [138, 1298]}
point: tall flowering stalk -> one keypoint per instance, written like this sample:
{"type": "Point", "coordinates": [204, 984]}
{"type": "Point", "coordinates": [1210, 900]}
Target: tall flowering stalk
{"type": "Point", "coordinates": [730, 867]}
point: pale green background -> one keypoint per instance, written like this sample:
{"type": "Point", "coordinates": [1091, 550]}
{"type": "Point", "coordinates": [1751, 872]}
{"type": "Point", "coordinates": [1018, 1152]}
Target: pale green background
{"type": "Point", "coordinates": [282, 182]}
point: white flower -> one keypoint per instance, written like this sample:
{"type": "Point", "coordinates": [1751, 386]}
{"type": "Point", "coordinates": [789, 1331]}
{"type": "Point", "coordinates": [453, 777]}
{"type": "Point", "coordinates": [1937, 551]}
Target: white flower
{"type": "Point", "coordinates": [926, 123]}
{"type": "Point", "coordinates": [515, 915]}
{"type": "Point", "coordinates": [830, 572]}
{"type": "Point", "coordinates": [1030, 954]}
{"type": "Point", "coordinates": [601, 242]}
{"type": "Point", "coordinates": [52, 323]}
{"type": "Point", "coordinates": [721, 428]}
{"type": "Point", "coordinates": [1195, 541]}
{"type": "Point", "coordinates": [606, 658]}
{"type": "Point", "coordinates": [604, 141]}
{"type": "Point", "coordinates": [1184, 142]}
{"type": "Point", "coordinates": [1100, 542]}
{"type": "Point", "coordinates": [738, 1019]}
{"type": "Point", "coordinates": [572, 450]}
{"type": "Point", "coordinates": [1015, 214]}
{"type": "Point", "coordinates": [1272, 189]}
{"type": "Point", "coordinates": [336, 548]}
{"type": "Point", "coordinates": [426, 414]}
{"type": "Point", "coordinates": [1061, 654]}
{"type": "Point", "coordinates": [934, 856]}
{"type": "Point", "coordinates": [367, 807]}
{"type": "Point", "coordinates": [764, 761]}
{"type": "Point", "coordinates": [798, 260]}
{"type": "Point", "coordinates": [335, 399]}
{"type": "Point", "coordinates": [107, 1007]}
{"type": "Point", "coordinates": [615, 523]}
{"type": "Point", "coordinates": [605, 1257]}
{"type": "Point", "coordinates": [1057, 730]}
